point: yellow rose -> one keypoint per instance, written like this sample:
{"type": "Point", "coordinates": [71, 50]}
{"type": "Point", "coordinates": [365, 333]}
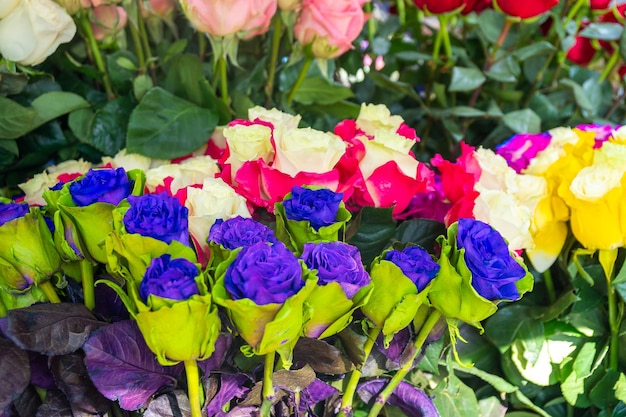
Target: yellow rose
{"type": "Point", "coordinates": [33, 30]}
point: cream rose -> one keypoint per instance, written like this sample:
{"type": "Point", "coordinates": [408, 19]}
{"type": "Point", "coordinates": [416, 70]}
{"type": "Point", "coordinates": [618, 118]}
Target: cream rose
{"type": "Point", "coordinates": [387, 147]}
{"type": "Point", "coordinates": [33, 30]}
{"type": "Point", "coordinates": [7, 6]}
{"type": "Point", "coordinates": [35, 187]}
{"type": "Point", "coordinates": [280, 120]}
{"type": "Point", "coordinates": [248, 143]}
{"type": "Point", "coordinates": [130, 161]}
{"type": "Point", "coordinates": [189, 172]}
{"type": "Point", "coordinates": [374, 117]}
{"type": "Point", "coordinates": [593, 182]}
{"type": "Point", "coordinates": [215, 200]}
{"type": "Point", "coordinates": [307, 150]}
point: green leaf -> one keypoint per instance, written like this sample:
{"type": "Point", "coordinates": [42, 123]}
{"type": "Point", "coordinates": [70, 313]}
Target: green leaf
{"type": "Point", "coordinates": [579, 93]}
{"type": "Point", "coordinates": [15, 120]}
{"type": "Point", "coordinates": [421, 232]}
{"type": "Point", "coordinates": [622, 45]}
{"type": "Point", "coordinates": [502, 327]}
{"type": "Point", "coordinates": [141, 85]}
{"type": "Point", "coordinates": [107, 130]}
{"type": "Point", "coordinates": [603, 31]}
{"type": "Point", "coordinates": [603, 394]}
{"type": "Point", "coordinates": [80, 122]}
{"type": "Point", "coordinates": [164, 126]}
{"type": "Point", "coordinates": [620, 387]}
{"type": "Point", "coordinates": [375, 228]}
{"type": "Point", "coordinates": [430, 360]}
{"type": "Point", "coordinates": [619, 410]}
{"type": "Point", "coordinates": [465, 111]}
{"type": "Point", "coordinates": [466, 79]}
{"type": "Point", "coordinates": [522, 121]}
{"type": "Point", "coordinates": [455, 399]}
{"type": "Point", "coordinates": [573, 385]}
{"type": "Point", "coordinates": [385, 82]}
{"type": "Point", "coordinates": [51, 105]}
{"type": "Point", "coordinates": [183, 77]}
{"type": "Point", "coordinates": [506, 70]}
{"type": "Point", "coordinates": [176, 48]}
{"type": "Point", "coordinates": [535, 49]}
{"type": "Point", "coordinates": [491, 407]}
{"type": "Point", "coordinates": [530, 337]}
{"type": "Point", "coordinates": [122, 67]}
{"type": "Point", "coordinates": [319, 90]}
{"type": "Point", "coordinates": [490, 24]}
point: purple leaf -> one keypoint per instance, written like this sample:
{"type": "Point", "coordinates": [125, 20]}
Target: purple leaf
{"type": "Point", "coordinates": [316, 391]}
{"type": "Point", "coordinates": [55, 405]}
{"type": "Point", "coordinates": [71, 376]}
{"type": "Point", "coordinates": [123, 368]}
{"type": "Point", "coordinates": [40, 375]}
{"type": "Point", "coordinates": [109, 305]}
{"type": "Point", "coordinates": [14, 373]}
{"type": "Point", "coordinates": [28, 404]}
{"type": "Point", "coordinates": [321, 356]}
{"type": "Point", "coordinates": [232, 386]}
{"type": "Point", "coordinates": [53, 329]}
{"type": "Point", "coordinates": [172, 404]}
{"type": "Point", "coordinates": [412, 401]}
{"type": "Point", "coordinates": [214, 362]}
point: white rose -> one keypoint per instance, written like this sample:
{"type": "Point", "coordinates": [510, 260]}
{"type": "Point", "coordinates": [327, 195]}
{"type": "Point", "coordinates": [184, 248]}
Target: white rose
{"type": "Point", "coordinates": [373, 117]}
{"type": "Point", "coordinates": [307, 150]}
{"type": "Point", "coordinates": [215, 200]}
{"type": "Point", "coordinates": [130, 161]}
{"type": "Point", "coordinates": [505, 214]}
{"type": "Point", "coordinates": [593, 182]}
{"type": "Point", "coordinates": [7, 6]}
{"type": "Point", "coordinates": [530, 190]}
{"type": "Point", "coordinates": [34, 30]}
{"type": "Point", "coordinates": [381, 150]}
{"type": "Point", "coordinates": [495, 174]}
{"type": "Point", "coordinates": [248, 143]}
{"type": "Point", "coordinates": [71, 166]}
{"type": "Point", "coordinates": [189, 172]}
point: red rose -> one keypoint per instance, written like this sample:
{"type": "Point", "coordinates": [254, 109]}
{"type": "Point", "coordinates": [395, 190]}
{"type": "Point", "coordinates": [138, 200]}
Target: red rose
{"type": "Point", "coordinates": [524, 9]}
{"type": "Point", "coordinates": [444, 6]}
{"type": "Point", "coordinates": [582, 51]}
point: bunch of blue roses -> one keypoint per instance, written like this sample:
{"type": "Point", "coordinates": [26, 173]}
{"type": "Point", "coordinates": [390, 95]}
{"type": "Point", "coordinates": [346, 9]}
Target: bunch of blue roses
{"type": "Point", "coordinates": [266, 327]}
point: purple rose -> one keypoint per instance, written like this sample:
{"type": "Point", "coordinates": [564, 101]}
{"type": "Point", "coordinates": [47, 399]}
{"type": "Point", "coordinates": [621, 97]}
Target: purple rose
{"type": "Point", "coordinates": [415, 263]}
{"type": "Point", "coordinates": [487, 256]}
{"type": "Point", "coordinates": [318, 207]}
{"type": "Point", "coordinates": [240, 232]}
{"type": "Point", "coordinates": [12, 211]}
{"type": "Point", "coordinates": [337, 262]}
{"type": "Point", "coordinates": [264, 273]}
{"type": "Point", "coordinates": [520, 149]}
{"type": "Point", "coordinates": [169, 278]}
{"type": "Point", "coordinates": [159, 216]}
{"type": "Point", "coordinates": [101, 186]}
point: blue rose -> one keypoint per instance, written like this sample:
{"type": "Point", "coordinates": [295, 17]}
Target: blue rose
{"type": "Point", "coordinates": [11, 211]}
{"type": "Point", "coordinates": [169, 278]}
{"type": "Point", "coordinates": [264, 273]}
{"type": "Point", "coordinates": [159, 216]}
{"type": "Point", "coordinates": [101, 186]}
{"type": "Point", "coordinates": [318, 207]}
{"type": "Point", "coordinates": [415, 263]}
{"type": "Point", "coordinates": [487, 256]}
{"type": "Point", "coordinates": [240, 232]}
{"type": "Point", "coordinates": [336, 262]}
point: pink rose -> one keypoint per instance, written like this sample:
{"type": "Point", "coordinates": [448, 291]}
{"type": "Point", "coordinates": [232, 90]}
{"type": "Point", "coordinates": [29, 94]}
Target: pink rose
{"type": "Point", "coordinates": [329, 26]}
{"type": "Point", "coordinates": [161, 8]}
{"type": "Point", "coordinates": [245, 18]}
{"type": "Point", "coordinates": [108, 20]}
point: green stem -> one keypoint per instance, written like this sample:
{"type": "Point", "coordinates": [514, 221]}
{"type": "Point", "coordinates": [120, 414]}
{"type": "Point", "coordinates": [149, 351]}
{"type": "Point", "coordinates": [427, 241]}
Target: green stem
{"type": "Point", "coordinates": [444, 20]}
{"type": "Point", "coordinates": [299, 80]}
{"type": "Point", "coordinates": [401, 12]}
{"type": "Point", "coordinates": [134, 33]}
{"type": "Point", "coordinates": [193, 387]}
{"type": "Point", "coordinates": [610, 65]}
{"type": "Point", "coordinates": [614, 324]}
{"type": "Point", "coordinates": [271, 72]}
{"type": "Point", "coordinates": [201, 46]}
{"type": "Point", "coordinates": [268, 385]}
{"type": "Point", "coordinates": [86, 272]}
{"type": "Point", "coordinates": [50, 292]}
{"type": "Point", "coordinates": [573, 11]}
{"type": "Point", "coordinates": [348, 395]}
{"type": "Point", "coordinates": [547, 279]}
{"type": "Point", "coordinates": [384, 395]}
{"type": "Point", "coordinates": [371, 23]}
{"type": "Point", "coordinates": [437, 45]}
{"type": "Point", "coordinates": [223, 79]}
{"type": "Point", "coordinates": [92, 45]}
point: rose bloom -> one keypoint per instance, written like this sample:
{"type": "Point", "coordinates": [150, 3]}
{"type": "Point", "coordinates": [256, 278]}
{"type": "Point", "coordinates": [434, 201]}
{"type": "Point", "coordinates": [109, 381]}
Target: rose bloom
{"type": "Point", "coordinates": [130, 161]}
{"type": "Point", "coordinates": [239, 232]}
{"type": "Point", "coordinates": [521, 148]}
{"type": "Point", "coordinates": [444, 6]}
{"type": "Point", "coordinates": [280, 121]}
{"type": "Point", "coordinates": [329, 26]}
{"type": "Point", "coordinates": [159, 216]}
{"type": "Point", "coordinates": [318, 207]}
{"type": "Point", "coordinates": [244, 18]}
{"type": "Point", "coordinates": [289, 5]}
{"type": "Point", "coordinates": [64, 172]}
{"type": "Point", "coordinates": [248, 141]}
{"type": "Point", "coordinates": [264, 273]}
{"type": "Point", "coordinates": [416, 264]}
{"type": "Point", "coordinates": [524, 9]}
{"type": "Point", "coordinates": [108, 20]}
{"type": "Point", "coordinates": [173, 177]}
{"type": "Point", "coordinates": [11, 211]}
{"type": "Point", "coordinates": [307, 150]}
{"type": "Point", "coordinates": [31, 30]}
{"type": "Point", "coordinates": [169, 278]}
{"type": "Point", "coordinates": [101, 186]}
